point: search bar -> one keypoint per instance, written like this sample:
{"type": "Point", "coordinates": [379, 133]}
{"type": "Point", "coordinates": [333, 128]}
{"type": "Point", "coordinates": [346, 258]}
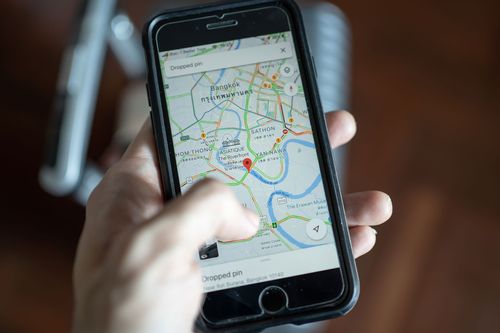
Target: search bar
{"type": "Point", "coordinates": [233, 58]}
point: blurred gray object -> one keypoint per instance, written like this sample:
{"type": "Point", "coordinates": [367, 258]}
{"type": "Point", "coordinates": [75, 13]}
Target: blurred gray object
{"type": "Point", "coordinates": [329, 39]}
{"type": "Point", "coordinates": [330, 42]}
{"type": "Point", "coordinates": [78, 85]}
{"type": "Point", "coordinates": [67, 171]}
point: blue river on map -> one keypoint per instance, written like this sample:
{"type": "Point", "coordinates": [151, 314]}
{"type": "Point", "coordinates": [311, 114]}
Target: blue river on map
{"type": "Point", "coordinates": [270, 208]}
{"type": "Point", "coordinates": [285, 155]}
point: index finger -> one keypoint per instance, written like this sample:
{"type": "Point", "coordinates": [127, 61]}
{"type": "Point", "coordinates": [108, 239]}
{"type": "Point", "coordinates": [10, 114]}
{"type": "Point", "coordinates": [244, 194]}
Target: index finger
{"type": "Point", "coordinates": [341, 127]}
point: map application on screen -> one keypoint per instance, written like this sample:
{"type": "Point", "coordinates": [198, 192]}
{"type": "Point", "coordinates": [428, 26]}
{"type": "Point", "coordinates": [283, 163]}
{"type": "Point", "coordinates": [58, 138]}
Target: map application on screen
{"type": "Point", "coordinates": [237, 113]}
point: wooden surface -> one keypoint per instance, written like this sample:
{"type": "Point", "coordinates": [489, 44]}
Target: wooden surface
{"type": "Point", "coordinates": [426, 95]}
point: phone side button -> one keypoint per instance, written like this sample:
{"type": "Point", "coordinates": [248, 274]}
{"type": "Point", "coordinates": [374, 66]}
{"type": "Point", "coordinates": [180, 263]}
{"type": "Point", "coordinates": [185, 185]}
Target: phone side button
{"type": "Point", "coordinates": [149, 94]}
{"type": "Point", "coordinates": [314, 67]}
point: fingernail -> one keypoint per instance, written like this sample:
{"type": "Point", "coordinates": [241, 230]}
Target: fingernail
{"type": "Point", "coordinates": [374, 231]}
{"type": "Point", "coordinates": [389, 204]}
{"type": "Point", "coordinates": [252, 218]}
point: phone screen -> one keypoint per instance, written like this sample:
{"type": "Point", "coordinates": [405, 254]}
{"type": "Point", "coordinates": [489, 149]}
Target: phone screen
{"type": "Point", "coordinates": [238, 113]}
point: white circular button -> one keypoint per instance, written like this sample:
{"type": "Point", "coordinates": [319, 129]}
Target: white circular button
{"type": "Point", "coordinates": [291, 89]}
{"type": "Point", "coordinates": [316, 229]}
{"type": "Point", "coordinates": [287, 70]}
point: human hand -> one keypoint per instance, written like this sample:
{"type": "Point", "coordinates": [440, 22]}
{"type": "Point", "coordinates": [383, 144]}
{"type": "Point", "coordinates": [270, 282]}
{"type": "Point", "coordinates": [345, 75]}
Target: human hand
{"type": "Point", "coordinates": [135, 269]}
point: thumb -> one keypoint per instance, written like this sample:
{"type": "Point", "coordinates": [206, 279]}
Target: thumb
{"type": "Point", "coordinates": [143, 146]}
{"type": "Point", "coordinates": [208, 210]}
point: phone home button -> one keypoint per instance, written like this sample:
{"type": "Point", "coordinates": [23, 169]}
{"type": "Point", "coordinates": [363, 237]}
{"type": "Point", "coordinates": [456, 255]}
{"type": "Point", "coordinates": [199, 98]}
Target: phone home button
{"type": "Point", "coordinates": [273, 299]}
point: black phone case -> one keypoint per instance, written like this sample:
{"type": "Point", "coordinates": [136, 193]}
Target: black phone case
{"type": "Point", "coordinates": [166, 156]}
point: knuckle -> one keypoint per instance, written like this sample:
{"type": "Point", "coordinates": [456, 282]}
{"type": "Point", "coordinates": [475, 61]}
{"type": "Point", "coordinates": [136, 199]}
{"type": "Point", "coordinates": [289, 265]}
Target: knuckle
{"type": "Point", "coordinates": [134, 246]}
{"type": "Point", "coordinates": [135, 252]}
{"type": "Point", "coordinates": [175, 232]}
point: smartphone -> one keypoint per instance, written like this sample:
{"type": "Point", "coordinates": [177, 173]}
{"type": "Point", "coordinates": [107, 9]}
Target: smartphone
{"type": "Point", "coordinates": [233, 96]}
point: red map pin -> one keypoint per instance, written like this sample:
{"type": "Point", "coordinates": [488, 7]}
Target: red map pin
{"type": "Point", "coordinates": [247, 163]}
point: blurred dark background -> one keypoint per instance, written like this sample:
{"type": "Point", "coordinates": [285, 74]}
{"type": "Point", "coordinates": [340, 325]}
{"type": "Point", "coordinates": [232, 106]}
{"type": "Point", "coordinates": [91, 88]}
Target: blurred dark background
{"type": "Point", "coordinates": [426, 95]}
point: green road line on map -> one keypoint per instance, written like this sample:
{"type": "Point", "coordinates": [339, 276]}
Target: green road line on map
{"type": "Point", "coordinates": [236, 128]}
{"type": "Point", "coordinates": [194, 110]}
{"type": "Point", "coordinates": [207, 122]}
{"type": "Point", "coordinates": [207, 50]}
{"type": "Point", "coordinates": [298, 217]}
{"type": "Point", "coordinates": [220, 121]}
{"type": "Point", "coordinates": [286, 219]}
{"type": "Point", "coordinates": [260, 232]}
{"type": "Point", "coordinates": [266, 175]}
{"type": "Point", "coordinates": [245, 121]}
{"type": "Point", "coordinates": [239, 182]}
{"type": "Point", "coordinates": [177, 96]}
